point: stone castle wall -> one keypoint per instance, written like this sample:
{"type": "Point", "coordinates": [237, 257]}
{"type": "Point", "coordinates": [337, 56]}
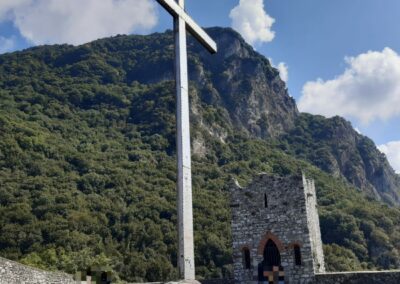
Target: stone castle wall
{"type": "Point", "coordinates": [284, 220]}
{"type": "Point", "coordinates": [363, 277]}
{"type": "Point", "coordinates": [15, 273]}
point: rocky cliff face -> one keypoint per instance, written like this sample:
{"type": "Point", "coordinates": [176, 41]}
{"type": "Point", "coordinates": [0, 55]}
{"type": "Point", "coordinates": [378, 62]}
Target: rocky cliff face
{"type": "Point", "coordinates": [237, 80]}
{"type": "Point", "coordinates": [247, 86]}
{"type": "Point", "coordinates": [335, 147]}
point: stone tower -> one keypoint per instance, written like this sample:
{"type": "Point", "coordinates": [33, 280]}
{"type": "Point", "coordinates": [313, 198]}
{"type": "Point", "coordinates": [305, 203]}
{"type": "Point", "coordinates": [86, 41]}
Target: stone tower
{"type": "Point", "coordinates": [275, 231]}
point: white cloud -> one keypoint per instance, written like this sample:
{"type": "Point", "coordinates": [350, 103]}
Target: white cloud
{"type": "Point", "coordinates": [282, 68]}
{"type": "Point", "coordinates": [6, 44]}
{"type": "Point", "coordinates": [368, 90]}
{"type": "Point", "coordinates": [77, 21]}
{"type": "Point", "coordinates": [250, 19]}
{"type": "Point", "coordinates": [283, 71]}
{"type": "Point", "coordinates": [7, 6]}
{"type": "Point", "coordinates": [392, 151]}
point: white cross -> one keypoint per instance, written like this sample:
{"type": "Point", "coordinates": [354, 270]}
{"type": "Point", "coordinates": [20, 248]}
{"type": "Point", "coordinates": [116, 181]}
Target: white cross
{"type": "Point", "coordinates": [183, 22]}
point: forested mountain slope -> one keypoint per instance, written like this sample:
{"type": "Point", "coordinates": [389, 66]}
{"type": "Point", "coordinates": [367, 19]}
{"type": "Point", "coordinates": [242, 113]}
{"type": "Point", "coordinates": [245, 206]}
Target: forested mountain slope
{"type": "Point", "coordinates": [87, 158]}
{"type": "Point", "coordinates": [335, 147]}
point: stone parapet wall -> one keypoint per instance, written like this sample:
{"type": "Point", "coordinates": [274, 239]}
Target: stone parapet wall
{"type": "Point", "coordinates": [210, 281]}
{"type": "Point", "coordinates": [15, 273]}
{"type": "Point", "coordinates": [363, 277]}
{"type": "Point", "coordinates": [218, 281]}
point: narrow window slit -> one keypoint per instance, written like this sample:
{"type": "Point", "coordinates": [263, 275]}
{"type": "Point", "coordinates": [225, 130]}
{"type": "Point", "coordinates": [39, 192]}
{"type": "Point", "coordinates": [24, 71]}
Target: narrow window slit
{"type": "Point", "coordinates": [246, 258]}
{"type": "Point", "coordinates": [265, 201]}
{"type": "Point", "coordinates": [297, 255]}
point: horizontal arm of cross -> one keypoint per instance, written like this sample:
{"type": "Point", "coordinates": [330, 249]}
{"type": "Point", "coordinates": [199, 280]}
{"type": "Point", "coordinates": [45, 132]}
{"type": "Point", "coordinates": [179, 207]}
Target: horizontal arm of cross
{"type": "Point", "coordinates": [195, 30]}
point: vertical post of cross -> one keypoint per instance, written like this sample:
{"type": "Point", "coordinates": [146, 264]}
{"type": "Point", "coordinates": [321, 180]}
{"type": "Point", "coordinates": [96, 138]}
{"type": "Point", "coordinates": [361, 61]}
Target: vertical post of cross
{"type": "Point", "coordinates": [182, 23]}
{"type": "Point", "coordinates": [184, 183]}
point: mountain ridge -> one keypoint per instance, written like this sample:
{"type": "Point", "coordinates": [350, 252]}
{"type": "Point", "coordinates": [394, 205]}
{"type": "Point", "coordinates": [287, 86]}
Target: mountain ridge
{"type": "Point", "coordinates": [87, 158]}
{"type": "Point", "coordinates": [339, 150]}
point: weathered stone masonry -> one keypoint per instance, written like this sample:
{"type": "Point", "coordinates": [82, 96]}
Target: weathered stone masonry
{"type": "Point", "coordinates": [276, 216]}
{"type": "Point", "coordinates": [15, 273]}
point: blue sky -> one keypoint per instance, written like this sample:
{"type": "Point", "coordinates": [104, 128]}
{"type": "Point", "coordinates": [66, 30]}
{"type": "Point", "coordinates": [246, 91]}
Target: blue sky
{"type": "Point", "coordinates": [342, 56]}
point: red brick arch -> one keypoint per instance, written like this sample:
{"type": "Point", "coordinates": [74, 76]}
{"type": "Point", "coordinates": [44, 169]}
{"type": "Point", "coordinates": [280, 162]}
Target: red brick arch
{"type": "Point", "coordinates": [264, 240]}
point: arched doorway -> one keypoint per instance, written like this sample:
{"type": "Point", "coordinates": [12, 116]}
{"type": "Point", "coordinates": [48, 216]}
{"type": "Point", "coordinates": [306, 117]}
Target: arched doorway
{"type": "Point", "coordinates": [270, 269]}
{"type": "Point", "coordinates": [272, 256]}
